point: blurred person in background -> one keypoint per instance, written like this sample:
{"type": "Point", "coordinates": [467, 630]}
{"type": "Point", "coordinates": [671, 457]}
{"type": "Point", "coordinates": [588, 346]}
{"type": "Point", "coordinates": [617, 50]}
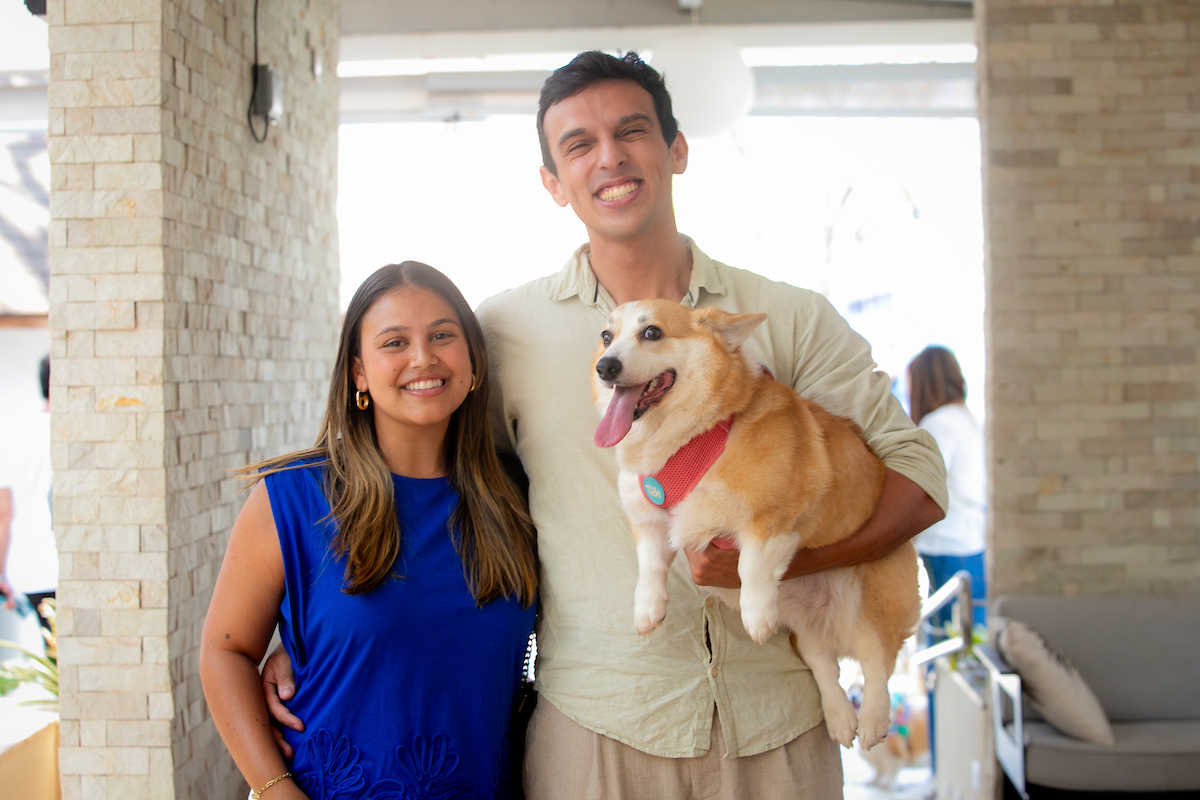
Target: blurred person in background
{"type": "Point", "coordinates": [28, 554]}
{"type": "Point", "coordinates": [937, 397]}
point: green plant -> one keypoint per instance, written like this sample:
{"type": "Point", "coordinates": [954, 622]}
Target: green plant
{"type": "Point", "coordinates": [979, 635]}
{"type": "Point", "coordinates": [39, 671]}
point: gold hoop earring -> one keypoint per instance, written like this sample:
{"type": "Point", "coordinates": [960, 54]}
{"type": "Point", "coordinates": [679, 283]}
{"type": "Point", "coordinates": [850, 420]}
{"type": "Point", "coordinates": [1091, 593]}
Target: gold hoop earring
{"type": "Point", "coordinates": [362, 400]}
{"type": "Point", "coordinates": [472, 383]}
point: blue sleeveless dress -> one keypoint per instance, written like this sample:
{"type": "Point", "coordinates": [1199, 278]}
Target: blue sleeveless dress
{"type": "Point", "coordinates": [405, 692]}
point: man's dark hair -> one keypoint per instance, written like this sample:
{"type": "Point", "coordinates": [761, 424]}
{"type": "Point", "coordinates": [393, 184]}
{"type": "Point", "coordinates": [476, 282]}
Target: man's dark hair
{"type": "Point", "coordinates": [44, 376]}
{"type": "Point", "coordinates": [591, 67]}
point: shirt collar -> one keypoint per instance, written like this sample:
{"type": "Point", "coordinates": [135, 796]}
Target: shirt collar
{"type": "Point", "coordinates": [576, 279]}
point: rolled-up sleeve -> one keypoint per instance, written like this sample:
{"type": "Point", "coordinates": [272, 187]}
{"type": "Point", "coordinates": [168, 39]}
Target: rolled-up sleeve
{"type": "Point", "coordinates": [835, 368]}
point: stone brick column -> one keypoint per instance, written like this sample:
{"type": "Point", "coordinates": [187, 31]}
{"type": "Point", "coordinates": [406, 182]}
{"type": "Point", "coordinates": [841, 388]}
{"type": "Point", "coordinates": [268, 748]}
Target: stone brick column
{"type": "Point", "coordinates": [193, 319]}
{"type": "Point", "coordinates": [1091, 123]}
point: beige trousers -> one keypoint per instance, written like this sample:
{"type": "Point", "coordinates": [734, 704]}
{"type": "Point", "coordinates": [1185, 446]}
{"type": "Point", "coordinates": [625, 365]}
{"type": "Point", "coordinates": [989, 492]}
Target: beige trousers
{"type": "Point", "coordinates": [566, 761]}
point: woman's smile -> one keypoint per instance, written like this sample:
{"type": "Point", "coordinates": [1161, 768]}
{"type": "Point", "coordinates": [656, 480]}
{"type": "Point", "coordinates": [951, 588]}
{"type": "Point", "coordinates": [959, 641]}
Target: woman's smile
{"type": "Point", "coordinates": [425, 387]}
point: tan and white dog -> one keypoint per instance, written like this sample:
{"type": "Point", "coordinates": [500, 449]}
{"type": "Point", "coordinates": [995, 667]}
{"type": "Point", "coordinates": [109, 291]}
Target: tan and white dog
{"type": "Point", "coordinates": [791, 475]}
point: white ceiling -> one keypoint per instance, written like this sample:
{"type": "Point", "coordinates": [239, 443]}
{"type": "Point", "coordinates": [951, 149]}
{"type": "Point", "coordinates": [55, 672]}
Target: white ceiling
{"type": "Point", "coordinates": [414, 59]}
{"type": "Point", "coordinates": [422, 16]}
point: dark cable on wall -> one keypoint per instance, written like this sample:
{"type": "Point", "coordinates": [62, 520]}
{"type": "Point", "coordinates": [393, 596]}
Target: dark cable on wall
{"type": "Point", "coordinates": [254, 87]}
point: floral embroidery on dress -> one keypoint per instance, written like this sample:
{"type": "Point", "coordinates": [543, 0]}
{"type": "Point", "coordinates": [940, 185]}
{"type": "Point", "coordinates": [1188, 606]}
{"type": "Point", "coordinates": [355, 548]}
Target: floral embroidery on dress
{"type": "Point", "coordinates": [428, 767]}
{"type": "Point", "coordinates": [339, 774]}
{"type": "Point", "coordinates": [426, 771]}
{"type": "Point", "coordinates": [386, 789]}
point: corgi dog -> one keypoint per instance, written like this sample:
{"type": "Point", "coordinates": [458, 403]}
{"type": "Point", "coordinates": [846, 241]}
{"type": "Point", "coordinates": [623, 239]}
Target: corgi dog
{"type": "Point", "coordinates": [790, 475]}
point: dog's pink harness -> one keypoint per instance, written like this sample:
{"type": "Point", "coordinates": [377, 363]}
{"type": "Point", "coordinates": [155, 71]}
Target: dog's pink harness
{"type": "Point", "coordinates": [672, 484]}
{"type": "Point", "coordinates": [669, 486]}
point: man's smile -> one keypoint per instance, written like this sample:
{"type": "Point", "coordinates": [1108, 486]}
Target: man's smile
{"type": "Point", "coordinates": [618, 191]}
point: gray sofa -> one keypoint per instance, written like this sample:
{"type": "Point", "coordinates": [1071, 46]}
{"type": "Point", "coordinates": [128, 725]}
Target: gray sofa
{"type": "Point", "coordinates": [1141, 657]}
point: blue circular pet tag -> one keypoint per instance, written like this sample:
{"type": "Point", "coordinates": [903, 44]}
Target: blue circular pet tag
{"type": "Point", "coordinates": [653, 490]}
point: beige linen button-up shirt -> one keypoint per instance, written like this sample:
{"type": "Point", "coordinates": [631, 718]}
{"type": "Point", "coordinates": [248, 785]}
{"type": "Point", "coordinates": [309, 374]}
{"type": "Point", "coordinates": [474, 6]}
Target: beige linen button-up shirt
{"type": "Point", "coordinates": [656, 693]}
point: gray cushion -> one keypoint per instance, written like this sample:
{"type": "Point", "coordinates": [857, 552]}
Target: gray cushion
{"type": "Point", "coordinates": [1139, 654]}
{"type": "Point", "coordinates": [1147, 756]}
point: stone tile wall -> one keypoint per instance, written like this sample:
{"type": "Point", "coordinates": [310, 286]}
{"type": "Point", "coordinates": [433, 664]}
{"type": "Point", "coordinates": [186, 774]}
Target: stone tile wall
{"type": "Point", "coordinates": [1091, 126]}
{"type": "Point", "coordinates": [193, 321]}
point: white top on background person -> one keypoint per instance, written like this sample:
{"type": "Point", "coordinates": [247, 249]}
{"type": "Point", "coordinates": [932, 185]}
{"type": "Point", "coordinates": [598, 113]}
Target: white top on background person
{"type": "Point", "coordinates": [937, 395]}
{"type": "Point", "coordinates": [960, 438]}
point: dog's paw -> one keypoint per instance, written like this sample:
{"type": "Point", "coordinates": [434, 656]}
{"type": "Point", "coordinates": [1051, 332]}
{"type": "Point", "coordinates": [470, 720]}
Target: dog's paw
{"type": "Point", "coordinates": [872, 729]}
{"type": "Point", "coordinates": [761, 624]}
{"type": "Point", "coordinates": [646, 623]}
{"type": "Point", "coordinates": [841, 722]}
{"type": "Point", "coordinates": [649, 611]}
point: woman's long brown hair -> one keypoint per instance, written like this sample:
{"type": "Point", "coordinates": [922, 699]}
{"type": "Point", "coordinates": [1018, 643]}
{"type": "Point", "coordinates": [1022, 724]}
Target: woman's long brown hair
{"type": "Point", "coordinates": [934, 379]}
{"type": "Point", "coordinates": [492, 530]}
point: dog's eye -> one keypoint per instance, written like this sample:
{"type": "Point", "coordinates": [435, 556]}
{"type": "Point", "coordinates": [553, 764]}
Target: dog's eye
{"type": "Point", "coordinates": [651, 334]}
{"type": "Point", "coordinates": [606, 337]}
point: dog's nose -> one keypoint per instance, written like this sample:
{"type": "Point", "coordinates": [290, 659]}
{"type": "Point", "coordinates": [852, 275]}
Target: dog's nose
{"type": "Point", "coordinates": [608, 368]}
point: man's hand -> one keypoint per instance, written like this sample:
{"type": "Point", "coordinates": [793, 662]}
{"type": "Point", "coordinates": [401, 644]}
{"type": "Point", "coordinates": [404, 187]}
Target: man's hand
{"type": "Point", "coordinates": [279, 684]}
{"type": "Point", "coordinates": [903, 511]}
{"type": "Point", "coordinates": [713, 566]}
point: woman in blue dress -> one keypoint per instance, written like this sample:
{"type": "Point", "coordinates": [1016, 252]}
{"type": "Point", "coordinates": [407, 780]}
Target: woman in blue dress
{"type": "Point", "coordinates": [397, 558]}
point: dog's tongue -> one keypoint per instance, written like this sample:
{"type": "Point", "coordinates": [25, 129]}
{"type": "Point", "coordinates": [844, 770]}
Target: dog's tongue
{"type": "Point", "coordinates": [619, 417]}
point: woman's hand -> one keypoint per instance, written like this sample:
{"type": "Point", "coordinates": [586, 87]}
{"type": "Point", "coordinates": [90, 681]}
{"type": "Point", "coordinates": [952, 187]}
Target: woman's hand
{"type": "Point", "coordinates": [278, 685]}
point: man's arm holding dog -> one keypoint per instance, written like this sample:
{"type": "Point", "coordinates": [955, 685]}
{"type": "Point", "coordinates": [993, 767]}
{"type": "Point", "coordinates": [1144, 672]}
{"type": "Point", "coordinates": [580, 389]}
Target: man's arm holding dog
{"type": "Point", "coordinates": [832, 365]}
{"type": "Point", "coordinates": [903, 511]}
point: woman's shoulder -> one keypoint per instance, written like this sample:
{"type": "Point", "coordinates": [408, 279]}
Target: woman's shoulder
{"type": "Point", "coordinates": [304, 461]}
{"type": "Point", "coordinates": [297, 494]}
{"type": "Point", "coordinates": [293, 472]}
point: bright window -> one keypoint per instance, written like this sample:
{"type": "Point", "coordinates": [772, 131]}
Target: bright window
{"type": "Point", "coordinates": [882, 215]}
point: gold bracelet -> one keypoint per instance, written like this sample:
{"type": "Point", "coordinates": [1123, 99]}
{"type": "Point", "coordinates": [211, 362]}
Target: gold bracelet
{"type": "Point", "coordinates": [258, 794]}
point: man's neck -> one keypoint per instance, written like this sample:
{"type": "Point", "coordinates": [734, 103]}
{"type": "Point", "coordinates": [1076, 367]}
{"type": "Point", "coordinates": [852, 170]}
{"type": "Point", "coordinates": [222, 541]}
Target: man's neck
{"type": "Point", "coordinates": [648, 267]}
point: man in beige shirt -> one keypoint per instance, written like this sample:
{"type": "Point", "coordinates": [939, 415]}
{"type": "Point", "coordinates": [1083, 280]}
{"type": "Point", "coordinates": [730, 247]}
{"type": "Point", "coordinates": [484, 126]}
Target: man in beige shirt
{"type": "Point", "coordinates": [641, 710]}
{"type": "Point", "coordinates": [696, 709]}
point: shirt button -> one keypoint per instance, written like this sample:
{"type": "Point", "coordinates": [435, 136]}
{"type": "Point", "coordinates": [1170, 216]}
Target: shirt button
{"type": "Point", "coordinates": [708, 602]}
{"type": "Point", "coordinates": [714, 672]}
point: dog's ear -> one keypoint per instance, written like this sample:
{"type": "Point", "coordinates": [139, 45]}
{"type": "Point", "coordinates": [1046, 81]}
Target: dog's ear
{"type": "Point", "coordinates": [731, 329]}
